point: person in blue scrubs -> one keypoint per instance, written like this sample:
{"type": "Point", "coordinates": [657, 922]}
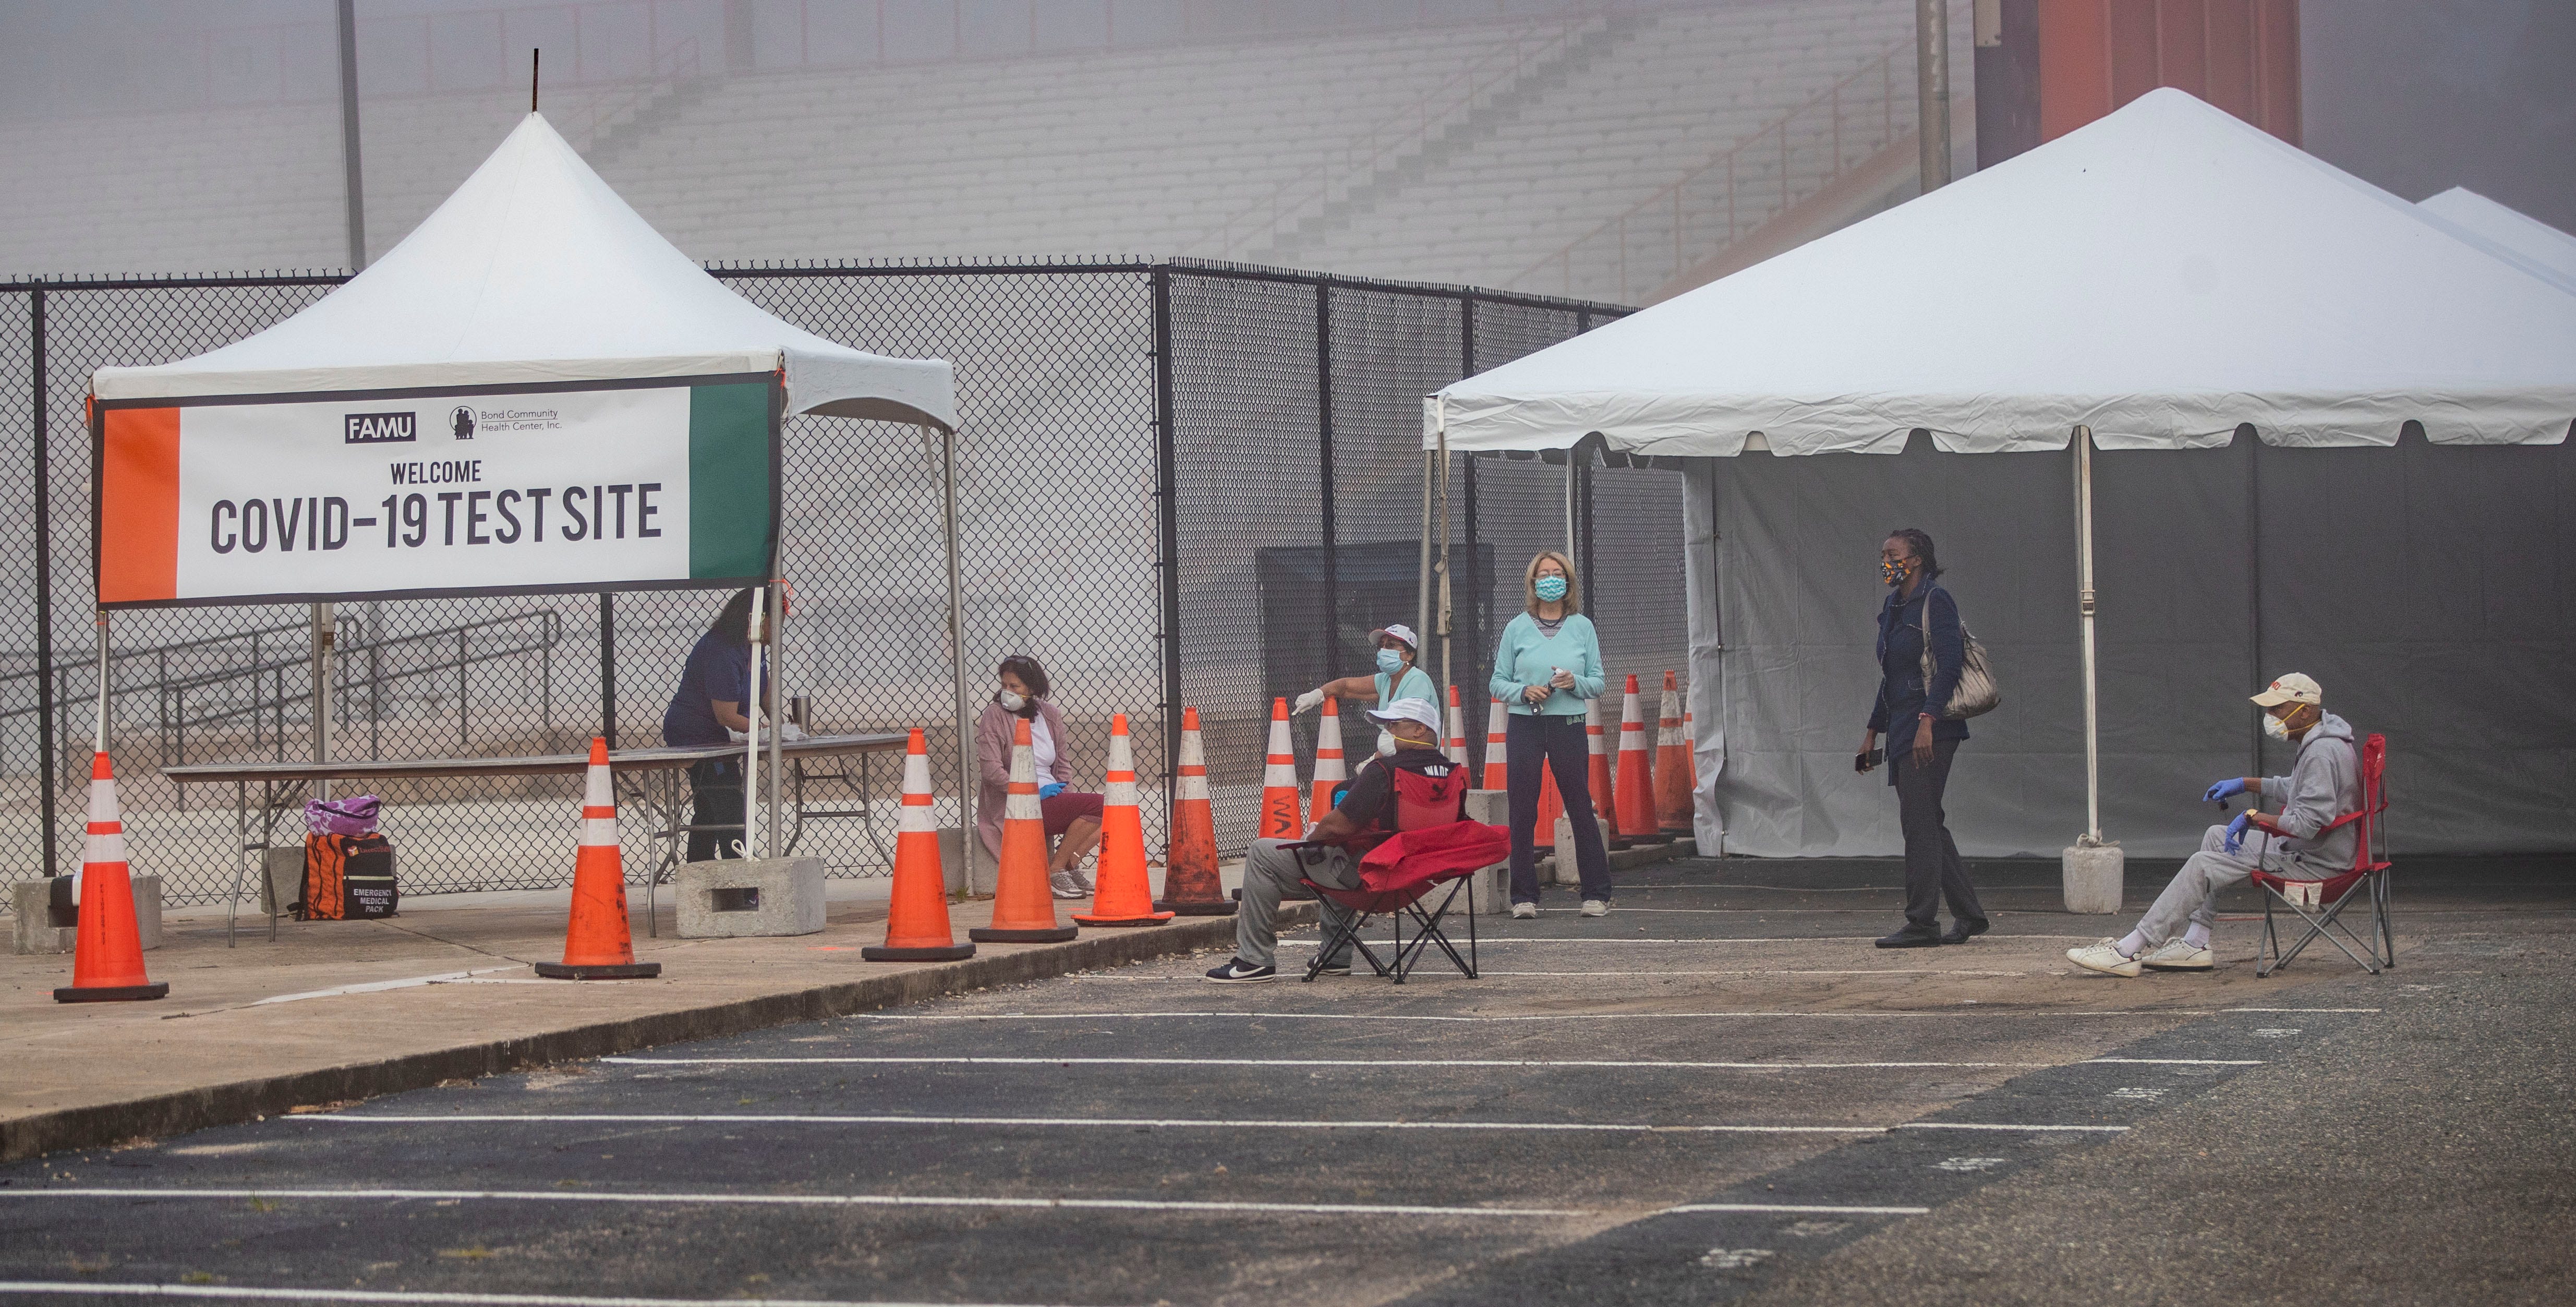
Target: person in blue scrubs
{"type": "Point", "coordinates": [709, 704]}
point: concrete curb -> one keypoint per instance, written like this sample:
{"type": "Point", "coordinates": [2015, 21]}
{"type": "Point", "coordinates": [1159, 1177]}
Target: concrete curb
{"type": "Point", "coordinates": [161, 1115]}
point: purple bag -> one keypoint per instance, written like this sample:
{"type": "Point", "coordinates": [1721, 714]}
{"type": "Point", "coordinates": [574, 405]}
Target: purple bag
{"type": "Point", "coordinates": [353, 816]}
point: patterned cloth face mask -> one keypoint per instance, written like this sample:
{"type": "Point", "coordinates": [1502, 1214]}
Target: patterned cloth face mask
{"type": "Point", "coordinates": [1550, 588]}
{"type": "Point", "coordinates": [1895, 572]}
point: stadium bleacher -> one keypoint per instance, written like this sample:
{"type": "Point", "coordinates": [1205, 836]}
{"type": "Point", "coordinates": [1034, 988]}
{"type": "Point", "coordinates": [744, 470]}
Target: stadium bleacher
{"type": "Point", "coordinates": [1464, 153]}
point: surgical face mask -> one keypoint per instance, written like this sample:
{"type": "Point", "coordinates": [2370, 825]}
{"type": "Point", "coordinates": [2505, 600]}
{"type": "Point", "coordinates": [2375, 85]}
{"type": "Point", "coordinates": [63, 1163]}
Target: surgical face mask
{"type": "Point", "coordinates": [1894, 571]}
{"type": "Point", "coordinates": [1550, 588]}
{"type": "Point", "coordinates": [1390, 662]}
{"type": "Point", "coordinates": [1013, 702]}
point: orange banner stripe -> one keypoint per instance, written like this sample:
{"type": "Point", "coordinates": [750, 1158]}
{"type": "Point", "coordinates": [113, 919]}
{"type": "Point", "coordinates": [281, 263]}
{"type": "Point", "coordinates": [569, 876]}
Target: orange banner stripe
{"type": "Point", "coordinates": [138, 537]}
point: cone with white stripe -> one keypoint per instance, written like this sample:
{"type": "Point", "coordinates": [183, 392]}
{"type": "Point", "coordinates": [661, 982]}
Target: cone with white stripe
{"type": "Point", "coordinates": [1635, 796]}
{"type": "Point", "coordinates": [598, 945]}
{"type": "Point", "coordinates": [1121, 895]}
{"type": "Point", "coordinates": [1596, 778]}
{"type": "Point", "coordinates": [1672, 762]}
{"type": "Point", "coordinates": [1457, 749]}
{"type": "Point", "coordinates": [107, 950]}
{"type": "Point", "coordinates": [1191, 887]}
{"type": "Point", "coordinates": [1023, 905]}
{"type": "Point", "coordinates": [1279, 804]}
{"type": "Point", "coordinates": [1330, 771]}
{"type": "Point", "coordinates": [917, 928]}
{"type": "Point", "coordinates": [1498, 771]}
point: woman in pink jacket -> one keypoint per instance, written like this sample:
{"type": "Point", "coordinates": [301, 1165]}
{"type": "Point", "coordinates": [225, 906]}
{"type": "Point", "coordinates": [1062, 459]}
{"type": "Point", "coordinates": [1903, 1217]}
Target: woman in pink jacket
{"type": "Point", "coordinates": [1075, 817]}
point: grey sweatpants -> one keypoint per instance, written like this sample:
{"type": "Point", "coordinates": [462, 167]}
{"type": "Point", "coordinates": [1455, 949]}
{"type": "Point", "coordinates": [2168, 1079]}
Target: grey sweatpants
{"type": "Point", "coordinates": [1270, 876]}
{"type": "Point", "coordinates": [2193, 895]}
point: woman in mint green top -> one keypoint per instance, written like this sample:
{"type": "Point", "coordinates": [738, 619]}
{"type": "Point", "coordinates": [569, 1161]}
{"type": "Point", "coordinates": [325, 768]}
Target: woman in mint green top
{"type": "Point", "coordinates": [1546, 669]}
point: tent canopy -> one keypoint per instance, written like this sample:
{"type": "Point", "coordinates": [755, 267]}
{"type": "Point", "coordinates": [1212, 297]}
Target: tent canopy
{"type": "Point", "coordinates": [2520, 233]}
{"type": "Point", "coordinates": [2161, 275]}
{"type": "Point", "coordinates": [535, 272]}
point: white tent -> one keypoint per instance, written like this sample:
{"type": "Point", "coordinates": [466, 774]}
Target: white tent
{"type": "Point", "coordinates": [2529, 237]}
{"type": "Point", "coordinates": [534, 271]}
{"type": "Point", "coordinates": [2154, 281]}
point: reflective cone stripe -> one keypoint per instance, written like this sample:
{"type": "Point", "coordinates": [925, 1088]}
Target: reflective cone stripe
{"type": "Point", "coordinates": [107, 948]}
{"type": "Point", "coordinates": [1457, 730]}
{"type": "Point", "coordinates": [1121, 895]}
{"type": "Point", "coordinates": [1190, 883]}
{"type": "Point", "coordinates": [1635, 795]}
{"type": "Point", "coordinates": [1672, 762]}
{"type": "Point", "coordinates": [1279, 810]}
{"type": "Point", "coordinates": [1023, 905]}
{"type": "Point", "coordinates": [598, 944]}
{"type": "Point", "coordinates": [1330, 771]}
{"type": "Point", "coordinates": [1596, 777]}
{"type": "Point", "coordinates": [917, 928]}
{"type": "Point", "coordinates": [1498, 775]}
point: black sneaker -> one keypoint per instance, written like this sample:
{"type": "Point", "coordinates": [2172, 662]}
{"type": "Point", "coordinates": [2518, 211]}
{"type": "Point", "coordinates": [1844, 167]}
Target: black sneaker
{"type": "Point", "coordinates": [1238, 972]}
{"type": "Point", "coordinates": [1913, 936]}
{"type": "Point", "coordinates": [1963, 929]}
{"type": "Point", "coordinates": [1341, 968]}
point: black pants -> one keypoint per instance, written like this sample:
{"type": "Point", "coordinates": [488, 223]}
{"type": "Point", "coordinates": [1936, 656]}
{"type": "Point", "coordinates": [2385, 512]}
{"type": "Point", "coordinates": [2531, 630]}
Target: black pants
{"type": "Point", "coordinates": [715, 809]}
{"type": "Point", "coordinates": [1932, 867]}
{"type": "Point", "coordinates": [1563, 746]}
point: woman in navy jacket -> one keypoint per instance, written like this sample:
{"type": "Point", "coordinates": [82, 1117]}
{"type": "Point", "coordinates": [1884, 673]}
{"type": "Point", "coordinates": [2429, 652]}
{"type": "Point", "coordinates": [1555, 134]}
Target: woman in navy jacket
{"type": "Point", "coordinates": [1920, 742]}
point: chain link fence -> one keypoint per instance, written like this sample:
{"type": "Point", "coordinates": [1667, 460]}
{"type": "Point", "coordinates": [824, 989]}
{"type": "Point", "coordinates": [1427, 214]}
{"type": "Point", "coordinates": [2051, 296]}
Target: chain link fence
{"type": "Point", "coordinates": [1179, 484]}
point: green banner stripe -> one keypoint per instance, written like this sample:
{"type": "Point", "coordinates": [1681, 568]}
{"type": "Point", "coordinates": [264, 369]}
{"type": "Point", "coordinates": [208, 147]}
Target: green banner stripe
{"type": "Point", "coordinates": [729, 504]}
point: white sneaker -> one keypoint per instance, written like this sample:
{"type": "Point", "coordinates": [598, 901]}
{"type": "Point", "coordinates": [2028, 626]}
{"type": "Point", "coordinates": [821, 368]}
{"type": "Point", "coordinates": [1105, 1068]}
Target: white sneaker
{"type": "Point", "coordinates": [1596, 907]}
{"type": "Point", "coordinates": [1066, 887]}
{"type": "Point", "coordinates": [1524, 911]}
{"type": "Point", "coordinates": [2177, 954]}
{"type": "Point", "coordinates": [2103, 957]}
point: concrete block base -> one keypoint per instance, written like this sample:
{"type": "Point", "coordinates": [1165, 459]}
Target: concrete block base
{"type": "Point", "coordinates": [2093, 875]}
{"type": "Point", "coordinates": [35, 927]}
{"type": "Point", "coordinates": [1491, 890]}
{"type": "Point", "coordinates": [736, 897]}
{"type": "Point", "coordinates": [952, 860]}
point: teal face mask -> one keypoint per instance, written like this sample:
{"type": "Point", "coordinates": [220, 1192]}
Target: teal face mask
{"type": "Point", "coordinates": [1550, 588]}
{"type": "Point", "coordinates": [1390, 662]}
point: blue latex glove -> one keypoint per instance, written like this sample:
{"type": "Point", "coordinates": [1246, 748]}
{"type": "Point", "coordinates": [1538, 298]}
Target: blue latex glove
{"type": "Point", "coordinates": [2236, 830]}
{"type": "Point", "coordinates": [2224, 790]}
{"type": "Point", "coordinates": [1050, 789]}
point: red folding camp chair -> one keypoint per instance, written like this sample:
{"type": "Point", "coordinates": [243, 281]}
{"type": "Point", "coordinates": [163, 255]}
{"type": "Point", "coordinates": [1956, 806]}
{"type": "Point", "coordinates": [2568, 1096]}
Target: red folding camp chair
{"type": "Point", "coordinates": [1395, 881]}
{"type": "Point", "coordinates": [2319, 904]}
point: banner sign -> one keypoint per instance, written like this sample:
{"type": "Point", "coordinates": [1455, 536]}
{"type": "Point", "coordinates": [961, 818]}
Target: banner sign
{"type": "Point", "coordinates": [622, 485]}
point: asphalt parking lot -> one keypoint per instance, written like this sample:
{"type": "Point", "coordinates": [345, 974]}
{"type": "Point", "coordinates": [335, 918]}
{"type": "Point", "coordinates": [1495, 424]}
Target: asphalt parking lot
{"type": "Point", "coordinates": [1719, 1092]}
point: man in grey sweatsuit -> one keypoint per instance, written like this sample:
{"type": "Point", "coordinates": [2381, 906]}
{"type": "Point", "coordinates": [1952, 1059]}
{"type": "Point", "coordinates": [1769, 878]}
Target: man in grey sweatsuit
{"type": "Point", "coordinates": [2324, 783]}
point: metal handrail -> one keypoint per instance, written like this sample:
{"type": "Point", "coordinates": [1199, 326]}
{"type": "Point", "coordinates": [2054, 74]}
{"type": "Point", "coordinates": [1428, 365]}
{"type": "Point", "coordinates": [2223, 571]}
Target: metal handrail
{"type": "Point", "coordinates": [1667, 203]}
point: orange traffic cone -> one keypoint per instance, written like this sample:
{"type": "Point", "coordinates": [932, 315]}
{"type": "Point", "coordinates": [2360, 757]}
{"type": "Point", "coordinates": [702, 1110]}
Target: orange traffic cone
{"type": "Point", "coordinates": [1023, 905]}
{"type": "Point", "coordinates": [1596, 780]}
{"type": "Point", "coordinates": [1498, 773]}
{"type": "Point", "coordinates": [1457, 749]}
{"type": "Point", "coordinates": [1190, 884]}
{"type": "Point", "coordinates": [1279, 816]}
{"type": "Point", "coordinates": [597, 943]}
{"type": "Point", "coordinates": [1551, 805]}
{"type": "Point", "coordinates": [1672, 762]}
{"type": "Point", "coordinates": [1122, 896]}
{"type": "Point", "coordinates": [107, 953]}
{"type": "Point", "coordinates": [1330, 771]}
{"type": "Point", "coordinates": [917, 928]}
{"type": "Point", "coordinates": [1690, 748]}
{"type": "Point", "coordinates": [1636, 793]}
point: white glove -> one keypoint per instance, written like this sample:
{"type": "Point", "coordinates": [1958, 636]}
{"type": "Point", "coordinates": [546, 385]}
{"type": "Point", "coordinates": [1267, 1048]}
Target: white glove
{"type": "Point", "coordinates": [1310, 700]}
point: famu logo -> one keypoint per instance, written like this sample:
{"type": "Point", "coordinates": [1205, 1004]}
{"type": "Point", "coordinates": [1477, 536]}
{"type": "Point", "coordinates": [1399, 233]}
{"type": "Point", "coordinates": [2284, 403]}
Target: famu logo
{"type": "Point", "coordinates": [378, 428]}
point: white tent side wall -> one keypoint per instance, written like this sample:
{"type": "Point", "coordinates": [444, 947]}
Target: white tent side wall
{"type": "Point", "coordinates": [2425, 587]}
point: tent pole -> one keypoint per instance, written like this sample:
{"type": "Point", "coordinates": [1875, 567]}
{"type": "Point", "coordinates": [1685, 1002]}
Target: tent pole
{"type": "Point", "coordinates": [1422, 574]}
{"type": "Point", "coordinates": [968, 781]}
{"type": "Point", "coordinates": [2084, 609]}
{"type": "Point", "coordinates": [321, 673]}
{"type": "Point", "coordinates": [769, 709]}
{"type": "Point", "coordinates": [751, 714]}
{"type": "Point", "coordinates": [1569, 510]}
{"type": "Point", "coordinates": [1447, 669]}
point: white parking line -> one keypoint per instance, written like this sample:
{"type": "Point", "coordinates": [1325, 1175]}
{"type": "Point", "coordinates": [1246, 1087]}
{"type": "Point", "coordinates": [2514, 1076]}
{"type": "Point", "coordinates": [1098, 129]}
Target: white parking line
{"type": "Point", "coordinates": [259, 1293]}
{"type": "Point", "coordinates": [790, 1200]}
{"type": "Point", "coordinates": [1489, 941]}
{"type": "Point", "coordinates": [1983, 1125]}
{"type": "Point", "coordinates": [1302, 1062]}
{"type": "Point", "coordinates": [1737, 971]}
{"type": "Point", "coordinates": [377, 987]}
{"type": "Point", "coordinates": [1978, 1011]}
{"type": "Point", "coordinates": [1807, 1209]}
{"type": "Point", "coordinates": [1109, 1123]}
{"type": "Point", "coordinates": [2300, 1009]}
{"type": "Point", "coordinates": [2179, 1061]}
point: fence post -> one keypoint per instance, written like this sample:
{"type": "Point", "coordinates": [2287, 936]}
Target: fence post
{"type": "Point", "coordinates": [44, 584]}
{"type": "Point", "coordinates": [1167, 490]}
{"type": "Point", "coordinates": [1324, 479]}
{"type": "Point", "coordinates": [607, 667]}
{"type": "Point", "coordinates": [1477, 590]}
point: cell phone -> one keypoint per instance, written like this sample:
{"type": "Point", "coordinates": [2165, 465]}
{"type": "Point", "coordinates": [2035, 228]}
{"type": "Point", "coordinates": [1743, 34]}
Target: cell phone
{"type": "Point", "coordinates": [1863, 762]}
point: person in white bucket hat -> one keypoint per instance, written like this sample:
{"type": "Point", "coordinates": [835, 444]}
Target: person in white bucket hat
{"type": "Point", "coordinates": [1398, 649]}
{"type": "Point", "coordinates": [2324, 783]}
